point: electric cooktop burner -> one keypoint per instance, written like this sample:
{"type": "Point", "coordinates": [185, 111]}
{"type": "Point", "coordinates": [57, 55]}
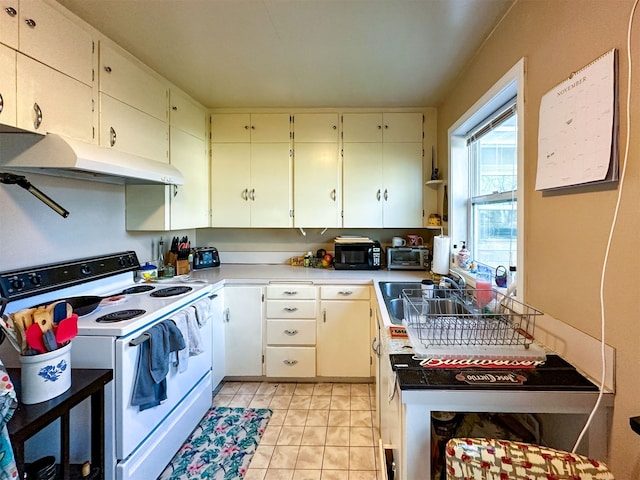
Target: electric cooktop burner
{"type": "Point", "coordinates": [170, 291]}
{"type": "Point", "coordinates": [137, 289]}
{"type": "Point", "coordinates": [120, 315]}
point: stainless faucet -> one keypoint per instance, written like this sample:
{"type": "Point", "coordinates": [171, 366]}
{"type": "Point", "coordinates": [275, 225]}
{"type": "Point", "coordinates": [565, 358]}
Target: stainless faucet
{"type": "Point", "coordinates": [456, 282]}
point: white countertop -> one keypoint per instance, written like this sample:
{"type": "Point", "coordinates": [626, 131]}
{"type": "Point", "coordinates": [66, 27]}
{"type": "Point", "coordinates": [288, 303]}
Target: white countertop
{"type": "Point", "coordinates": [264, 273]}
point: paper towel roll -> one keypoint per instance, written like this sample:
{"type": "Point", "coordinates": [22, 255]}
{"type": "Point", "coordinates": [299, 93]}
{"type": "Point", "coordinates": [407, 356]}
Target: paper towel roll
{"type": "Point", "coordinates": [440, 264]}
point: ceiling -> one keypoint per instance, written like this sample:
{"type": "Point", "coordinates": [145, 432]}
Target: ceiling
{"type": "Point", "coordinates": [301, 53]}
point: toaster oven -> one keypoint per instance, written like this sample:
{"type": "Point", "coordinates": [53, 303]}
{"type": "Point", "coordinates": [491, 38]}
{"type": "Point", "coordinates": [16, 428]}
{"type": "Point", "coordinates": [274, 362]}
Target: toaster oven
{"type": "Point", "coordinates": [408, 258]}
{"type": "Point", "coordinates": [205, 257]}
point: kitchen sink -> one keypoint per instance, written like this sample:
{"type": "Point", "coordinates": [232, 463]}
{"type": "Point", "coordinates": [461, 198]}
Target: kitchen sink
{"type": "Point", "coordinates": [392, 294]}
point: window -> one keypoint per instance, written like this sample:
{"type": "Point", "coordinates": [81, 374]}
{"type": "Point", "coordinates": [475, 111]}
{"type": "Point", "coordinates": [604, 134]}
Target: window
{"type": "Point", "coordinates": [486, 183]}
{"type": "Point", "coordinates": [492, 204]}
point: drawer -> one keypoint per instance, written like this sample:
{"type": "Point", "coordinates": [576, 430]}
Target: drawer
{"type": "Point", "coordinates": [291, 361]}
{"type": "Point", "coordinates": [291, 332]}
{"type": "Point", "coordinates": [292, 291]}
{"type": "Point", "coordinates": [291, 309]}
{"type": "Point", "coordinates": [344, 292]}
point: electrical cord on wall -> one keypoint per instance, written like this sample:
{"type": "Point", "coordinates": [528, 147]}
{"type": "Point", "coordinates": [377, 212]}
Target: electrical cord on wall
{"type": "Point", "coordinates": [611, 231]}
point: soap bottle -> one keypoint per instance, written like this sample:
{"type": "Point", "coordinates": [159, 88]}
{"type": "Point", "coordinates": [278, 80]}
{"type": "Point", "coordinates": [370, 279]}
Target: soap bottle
{"type": "Point", "coordinates": [464, 256]}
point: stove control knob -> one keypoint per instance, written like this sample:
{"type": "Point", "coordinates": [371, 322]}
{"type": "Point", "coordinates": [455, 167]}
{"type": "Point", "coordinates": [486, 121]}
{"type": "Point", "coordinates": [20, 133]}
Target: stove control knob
{"type": "Point", "coordinates": [17, 283]}
{"type": "Point", "coordinates": [35, 279]}
{"type": "Point", "coordinates": [85, 270]}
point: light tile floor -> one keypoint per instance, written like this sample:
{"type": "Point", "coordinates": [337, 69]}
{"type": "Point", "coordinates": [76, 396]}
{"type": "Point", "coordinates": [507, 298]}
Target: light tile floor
{"type": "Point", "coordinates": [318, 431]}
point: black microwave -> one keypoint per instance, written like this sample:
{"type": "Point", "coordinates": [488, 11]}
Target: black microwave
{"type": "Point", "coordinates": [357, 255]}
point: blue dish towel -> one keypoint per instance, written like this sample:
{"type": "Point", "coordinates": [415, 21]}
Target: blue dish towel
{"type": "Point", "coordinates": [150, 387]}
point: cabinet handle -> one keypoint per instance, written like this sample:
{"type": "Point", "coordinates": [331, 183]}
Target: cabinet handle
{"type": "Point", "coordinates": [379, 127]}
{"type": "Point", "coordinates": [324, 315]}
{"type": "Point", "coordinates": [175, 191]}
{"type": "Point", "coordinates": [386, 195]}
{"type": "Point", "coordinates": [246, 127]}
{"type": "Point", "coordinates": [112, 136]}
{"type": "Point", "coordinates": [11, 11]}
{"type": "Point", "coordinates": [291, 333]}
{"type": "Point", "coordinates": [226, 315]}
{"type": "Point", "coordinates": [107, 68]}
{"type": "Point", "coordinates": [334, 127]}
{"type": "Point", "coordinates": [290, 363]}
{"type": "Point", "coordinates": [1, 103]}
{"type": "Point", "coordinates": [38, 120]}
{"type": "Point", "coordinates": [378, 195]}
{"type": "Point", "coordinates": [174, 108]}
{"type": "Point", "coordinates": [333, 195]}
{"type": "Point", "coordinates": [245, 194]}
{"type": "Point", "coordinates": [30, 22]}
{"type": "Point", "coordinates": [290, 292]}
{"type": "Point", "coordinates": [386, 127]}
{"type": "Point", "coordinates": [253, 194]}
{"type": "Point", "coordinates": [346, 293]}
{"type": "Point", "coordinates": [375, 346]}
{"type": "Point", "coordinates": [290, 309]}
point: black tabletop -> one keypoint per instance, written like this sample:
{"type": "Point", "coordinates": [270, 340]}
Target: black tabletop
{"type": "Point", "coordinates": [29, 419]}
{"type": "Point", "coordinates": [556, 374]}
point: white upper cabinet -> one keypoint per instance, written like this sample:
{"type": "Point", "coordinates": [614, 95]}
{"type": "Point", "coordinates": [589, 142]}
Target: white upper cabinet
{"type": "Point", "coordinates": [53, 39]}
{"type": "Point", "coordinates": [317, 195]}
{"type": "Point", "coordinates": [49, 101]}
{"type": "Point", "coordinates": [251, 170]}
{"type": "Point", "coordinates": [382, 170]}
{"type": "Point", "coordinates": [9, 23]}
{"type": "Point", "coordinates": [187, 115]}
{"type": "Point", "coordinates": [7, 86]}
{"type": "Point", "coordinates": [250, 128]}
{"type": "Point", "coordinates": [129, 82]}
{"type": "Point", "coordinates": [129, 130]}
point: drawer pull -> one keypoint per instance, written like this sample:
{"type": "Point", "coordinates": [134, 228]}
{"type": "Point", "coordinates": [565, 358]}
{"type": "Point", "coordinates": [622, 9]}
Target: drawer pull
{"type": "Point", "coordinates": [291, 332]}
{"type": "Point", "coordinates": [290, 309]}
{"type": "Point", "coordinates": [37, 121]}
{"type": "Point", "coordinates": [290, 292]}
{"type": "Point", "coordinates": [346, 293]}
{"type": "Point", "coordinates": [290, 363]}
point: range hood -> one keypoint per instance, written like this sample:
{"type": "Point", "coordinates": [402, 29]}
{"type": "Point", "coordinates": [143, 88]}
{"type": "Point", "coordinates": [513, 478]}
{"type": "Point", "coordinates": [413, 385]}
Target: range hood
{"type": "Point", "coordinates": [54, 154]}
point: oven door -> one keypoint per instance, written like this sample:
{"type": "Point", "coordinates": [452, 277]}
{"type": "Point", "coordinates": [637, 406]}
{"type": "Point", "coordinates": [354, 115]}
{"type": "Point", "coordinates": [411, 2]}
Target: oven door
{"type": "Point", "coordinates": [133, 425]}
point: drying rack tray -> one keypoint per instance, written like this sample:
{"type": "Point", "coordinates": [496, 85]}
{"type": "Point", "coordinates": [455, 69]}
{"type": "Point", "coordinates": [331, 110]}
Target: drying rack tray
{"type": "Point", "coordinates": [469, 317]}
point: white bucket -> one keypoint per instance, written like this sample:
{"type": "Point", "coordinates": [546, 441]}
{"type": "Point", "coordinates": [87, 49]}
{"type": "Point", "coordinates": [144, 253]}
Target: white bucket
{"type": "Point", "coordinates": [45, 376]}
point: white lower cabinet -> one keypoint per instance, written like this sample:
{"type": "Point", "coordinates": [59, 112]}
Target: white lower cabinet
{"type": "Point", "coordinates": [343, 331]}
{"type": "Point", "coordinates": [243, 330]}
{"type": "Point", "coordinates": [291, 330]}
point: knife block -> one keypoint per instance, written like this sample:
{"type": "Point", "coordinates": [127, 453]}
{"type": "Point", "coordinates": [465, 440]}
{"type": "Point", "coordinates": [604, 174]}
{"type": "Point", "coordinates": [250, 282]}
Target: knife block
{"type": "Point", "coordinates": [182, 267]}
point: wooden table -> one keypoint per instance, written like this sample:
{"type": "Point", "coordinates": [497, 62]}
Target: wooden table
{"type": "Point", "coordinates": [30, 419]}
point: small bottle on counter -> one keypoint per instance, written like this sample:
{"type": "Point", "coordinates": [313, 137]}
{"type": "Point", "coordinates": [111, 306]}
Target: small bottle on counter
{"type": "Point", "coordinates": [454, 255]}
{"type": "Point", "coordinates": [464, 257]}
{"type": "Point", "coordinates": [307, 259]}
{"type": "Point", "coordinates": [427, 293]}
{"type": "Point", "coordinates": [160, 254]}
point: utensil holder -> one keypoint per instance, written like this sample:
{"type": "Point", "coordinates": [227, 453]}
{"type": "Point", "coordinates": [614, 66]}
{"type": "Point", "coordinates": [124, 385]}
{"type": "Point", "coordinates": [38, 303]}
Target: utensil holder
{"type": "Point", "coordinates": [45, 376]}
{"type": "Point", "coordinates": [182, 267]}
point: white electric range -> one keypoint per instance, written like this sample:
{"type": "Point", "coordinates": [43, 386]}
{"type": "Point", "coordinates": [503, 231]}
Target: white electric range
{"type": "Point", "coordinates": [138, 443]}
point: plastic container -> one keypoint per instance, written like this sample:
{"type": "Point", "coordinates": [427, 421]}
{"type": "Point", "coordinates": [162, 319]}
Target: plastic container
{"type": "Point", "coordinates": [45, 376]}
{"type": "Point", "coordinates": [147, 273]}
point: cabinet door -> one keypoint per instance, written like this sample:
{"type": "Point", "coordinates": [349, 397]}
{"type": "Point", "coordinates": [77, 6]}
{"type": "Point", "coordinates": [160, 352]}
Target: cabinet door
{"type": "Point", "coordinates": [362, 127]}
{"type": "Point", "coordinates": [343, 339]}
{"type": "Point", "coordinates": [270, 128]}
{"type": "Point", "coordinates": [270, 194]}
{"type": "Point", "coordinates": [187, 115]}
{"type": "Point", "coordinates": [362, 180]}
{"type": "Point", "coordinates": [243, 331]}
{"type": "Point", "coordinates": [402, 127]}
{"type": "Point", "coordinates": [52, 38]}
{"type": "Point", "coordinates": [189, 202]}
{"type": "Point", "coordinates": [127, 81]}
{"type": "Point", "coordinates": [230, 182]}
{"type": "Point", "coordinates": [9, 23]}
{"type": "Point", "coordinates": [7, 85]}
{"type": "Point", "coordinates": [402, 195]}
{"type": "Point", "coordinates": [49, 101]}
{"type": "Point", "coordinates": [231, 128]}
{"type": "Point", "coordinates": [316, 186]}
{"type": "Point", "coordinates": [315, 127]}
{"type": "Point", "coordinates": [130, 130]}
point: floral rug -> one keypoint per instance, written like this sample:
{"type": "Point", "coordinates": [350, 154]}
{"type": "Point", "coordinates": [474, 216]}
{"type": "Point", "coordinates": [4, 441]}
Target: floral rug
{"type": "Point", "coordinates": [221, 446]}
